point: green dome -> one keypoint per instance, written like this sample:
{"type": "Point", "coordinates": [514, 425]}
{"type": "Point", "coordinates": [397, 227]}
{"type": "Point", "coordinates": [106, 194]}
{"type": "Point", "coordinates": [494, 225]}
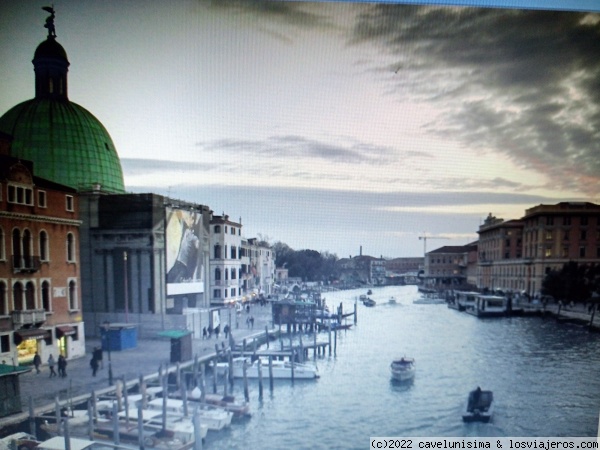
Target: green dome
{"type": "Point", "coordinates": [66, 142]}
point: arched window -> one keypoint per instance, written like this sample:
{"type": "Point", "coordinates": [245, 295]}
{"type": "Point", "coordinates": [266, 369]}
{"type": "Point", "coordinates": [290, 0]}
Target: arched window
{"type": "Point", "coordinates": [3, 299]}
{"type": "Point", "coordinates": [72, 295]}
{"type": "Point", "coordinates": [16, 248]}
{"type": "Point", "coordinates": [27, 248]}
{"type": "Point", "coordinates": [217, 251]}
{"type": "Point", "coordinates": [217, 274]}
{"type": "Point", "coordinates": [18, 296]}
{"type": "Point", "coordinates": [70, 247]}
{"type": "Point", "coordinates": [2, 245]}
{"type": "Point", "coordinates": [30, 296]}
{"type": "Point", "coordinates": [43, 246]}
{"type": "Point", "coordinates": [46, 296]}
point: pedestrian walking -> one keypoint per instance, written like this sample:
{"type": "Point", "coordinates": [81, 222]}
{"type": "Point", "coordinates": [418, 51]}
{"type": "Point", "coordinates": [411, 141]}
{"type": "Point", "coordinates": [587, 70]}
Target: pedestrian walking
{"type": "Point", "coordinates": [37, 361]}
{"type": "Point", "coordinates": [217, 331]}
{"type": "Point", "coordinates": [226, 331]}
{"type": "Point", "coordinates": [51, 364]}
{"type": "Point", "coordinates": [94, 365]}
{"type": "Point", "coordinates": [97, 354]}
{"type": "Point", "coordinates": [62, 366]}
{"type": "Point", "coordinates": [204, 333]}
{"type": "Point", "coordinates": [210, 330]}
{"type": "Point", "coordinates": [252, 322]}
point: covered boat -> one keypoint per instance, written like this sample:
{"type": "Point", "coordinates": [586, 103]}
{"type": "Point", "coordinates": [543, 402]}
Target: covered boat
{"type": "Point", "coordinates": [403, 369]}
{"type": "Point", "coordinates": [480, 406]}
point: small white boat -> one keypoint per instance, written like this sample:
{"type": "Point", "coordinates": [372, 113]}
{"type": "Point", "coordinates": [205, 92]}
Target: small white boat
{"type": "Point", "coordinates": [281, 369]}
{"type": "Point", "coordinates": [178, 427]}
{"type": "Point", "coordinates": [480, 406]}
{"type": "Point", "coordinates": [392, 300]}
{"type": "Point", "coordinates": [227, 402]}
{"type": "Point", "coordinates": [403, 369]}
{"type": "Point", "coordinates": [213, 417]}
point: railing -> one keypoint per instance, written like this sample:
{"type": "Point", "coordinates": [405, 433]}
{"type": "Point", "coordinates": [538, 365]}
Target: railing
{"type": "Point", "coordinates": [26, 263]}
{"type": "Point", "coordinates": [28, 317]}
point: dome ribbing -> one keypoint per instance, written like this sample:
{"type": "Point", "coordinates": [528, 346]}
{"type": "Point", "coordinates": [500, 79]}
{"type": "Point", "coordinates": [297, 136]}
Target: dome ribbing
{"type": "Point", "coordinates": [67, 144]}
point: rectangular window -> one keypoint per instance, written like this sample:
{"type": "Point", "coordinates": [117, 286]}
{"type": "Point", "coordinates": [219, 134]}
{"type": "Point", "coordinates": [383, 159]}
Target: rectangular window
{"type": "Point", "coordinates": [217, 293]}
{"type": "Point", "coordinates": [20, 195]}
{"type": "Point", "coordinates": [548, 235]}
{"type": "Point", "coordinates": [583, 235]}
{"type": "Point", "coordinates": [550, 221]}
{"type": "Point", "coordinates": [70, 205]}
{"type": "Point", "coordinates": [4, 343]}
{"type": "Point", "coordinates": [567, 221]}
{"type": "Point", "coordinates": [584, 221]}
{"type": "Point", "coordinates": [233, 292]}
{"type": "Point", "coordinates": [42, 199]}
{"type": "Point", "coordinates": [565, 252]}
{"type": "Point", "coordinates": [548, 253]}
{"type": "Point", "coordinates": [582, 251]}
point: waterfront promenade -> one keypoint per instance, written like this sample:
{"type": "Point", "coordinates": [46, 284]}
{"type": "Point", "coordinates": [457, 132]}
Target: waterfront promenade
{"type": "Point", "coordinates": [144, 360]}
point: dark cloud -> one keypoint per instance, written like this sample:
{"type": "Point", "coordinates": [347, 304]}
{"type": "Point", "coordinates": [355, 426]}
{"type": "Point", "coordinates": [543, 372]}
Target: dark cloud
{"type": "Point", "coordinates": [522, 82]}
{"type": "Point", "coordinates": [292, 147]}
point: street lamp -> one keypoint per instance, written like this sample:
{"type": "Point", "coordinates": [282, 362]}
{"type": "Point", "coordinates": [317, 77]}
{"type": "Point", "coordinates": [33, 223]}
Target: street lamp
{"type": "Point", "coordinates": [106, 341]}
{"type": "Point", "coordinates": [126, 294]}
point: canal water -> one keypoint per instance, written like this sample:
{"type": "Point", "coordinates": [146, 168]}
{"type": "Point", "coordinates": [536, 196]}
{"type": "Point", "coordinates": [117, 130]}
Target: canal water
{"type": "Point", "coordinates": [545, 378]}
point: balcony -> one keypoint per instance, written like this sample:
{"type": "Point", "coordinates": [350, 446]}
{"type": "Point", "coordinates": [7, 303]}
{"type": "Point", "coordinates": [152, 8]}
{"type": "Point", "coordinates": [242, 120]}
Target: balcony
{"type": "Point", "coordinates": [26, 264]}
{"type": "Point", "coordinates": [28, 317]}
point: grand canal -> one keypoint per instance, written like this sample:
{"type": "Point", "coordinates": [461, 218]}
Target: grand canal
{"type": "Point", "coordinates": [545, 378]}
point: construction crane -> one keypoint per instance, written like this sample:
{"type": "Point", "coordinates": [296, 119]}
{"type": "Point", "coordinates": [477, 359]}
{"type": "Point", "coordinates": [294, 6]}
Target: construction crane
{"type": "Point", "coordinates": [424, 239]}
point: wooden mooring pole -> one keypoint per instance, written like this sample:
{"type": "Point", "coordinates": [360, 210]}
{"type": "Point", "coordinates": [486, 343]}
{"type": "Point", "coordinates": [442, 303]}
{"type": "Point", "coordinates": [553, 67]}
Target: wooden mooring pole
{"type": "Point", "coordinates": [260, 380]}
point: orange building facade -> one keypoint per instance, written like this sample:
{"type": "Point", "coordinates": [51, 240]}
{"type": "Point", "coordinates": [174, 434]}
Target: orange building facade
{"type": "Point", "coordinates": [40, 294]}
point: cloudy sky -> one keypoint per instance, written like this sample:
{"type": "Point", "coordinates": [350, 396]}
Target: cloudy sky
{"type": "Point", "coordinates": [331, 126]}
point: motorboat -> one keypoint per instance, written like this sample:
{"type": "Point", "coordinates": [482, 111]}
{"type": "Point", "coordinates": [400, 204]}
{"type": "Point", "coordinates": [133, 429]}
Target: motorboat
{"type": "Point", "coordinates": [480, 406]}
{"type": "Point", "coordinates": [392, 300]}
{"type": "Point", "coordinates": [281, 369]}
{"type": "Point", "coordinates": [369, 292]}
{"type": "Point", "coordinates": [213, 417]}
{"type": "Point", "coordinates": [369, 302]}
{"type": "Point", "coordinates": [362, 297]}
{"type": "Point", "coordinates": [403, 369]}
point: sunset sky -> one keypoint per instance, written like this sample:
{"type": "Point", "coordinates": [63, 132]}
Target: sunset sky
{"type": "Point", "coordinates": [331, 126]}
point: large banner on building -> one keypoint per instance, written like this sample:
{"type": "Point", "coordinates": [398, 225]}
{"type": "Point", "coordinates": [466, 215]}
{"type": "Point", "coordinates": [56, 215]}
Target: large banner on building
{"type": "Point", "coordinates": [184, 252]}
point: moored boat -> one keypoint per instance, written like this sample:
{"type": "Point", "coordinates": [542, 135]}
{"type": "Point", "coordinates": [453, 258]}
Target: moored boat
{"type": "Point", "coordinates": [489, 306]}
{"type": "Point", "coordinates": [392, 300]}
{"type": "Point", "coordinates": [281, 369]}
{"type": "Point", "coordinates": [213, 417]}
{"type": "Point", "coordinates": [480, 406]}
{"type": "Point", "coordinates": [403, 369]}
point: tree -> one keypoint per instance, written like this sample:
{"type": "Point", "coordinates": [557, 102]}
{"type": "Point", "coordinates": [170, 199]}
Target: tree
{"type": "Point", "coordinates": [572, 283]}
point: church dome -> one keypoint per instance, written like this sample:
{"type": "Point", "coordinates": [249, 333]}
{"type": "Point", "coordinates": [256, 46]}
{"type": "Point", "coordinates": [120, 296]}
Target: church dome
{"type": "Point", "coordinates": [50, 49]}
{"type": "Point", "coordinates": [66, 143]}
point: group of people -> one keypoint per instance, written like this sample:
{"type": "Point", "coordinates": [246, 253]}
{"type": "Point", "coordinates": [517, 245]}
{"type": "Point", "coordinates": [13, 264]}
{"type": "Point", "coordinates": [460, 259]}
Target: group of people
{"type": "Point", "coordinates": [207, 332]}
{"type": "Point", "coordinates": [61, 364]}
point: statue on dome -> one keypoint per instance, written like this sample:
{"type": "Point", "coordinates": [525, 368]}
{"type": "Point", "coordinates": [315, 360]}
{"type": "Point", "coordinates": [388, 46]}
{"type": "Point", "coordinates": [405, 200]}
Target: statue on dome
{"type": "Point", "coordinates": [50, 21]}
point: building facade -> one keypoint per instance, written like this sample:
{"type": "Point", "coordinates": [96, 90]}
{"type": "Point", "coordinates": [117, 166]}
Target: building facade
{"type": "Point", "coordinates": [144, 262]}
{"type": "Point", "coordinates": [448, 266]}
{"type": "Point", "coordinates": [225, 261]}
{"type": "Point", "coordinates": [516, 255]}
{"type": "Point", "coordinates": [40, 289]}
